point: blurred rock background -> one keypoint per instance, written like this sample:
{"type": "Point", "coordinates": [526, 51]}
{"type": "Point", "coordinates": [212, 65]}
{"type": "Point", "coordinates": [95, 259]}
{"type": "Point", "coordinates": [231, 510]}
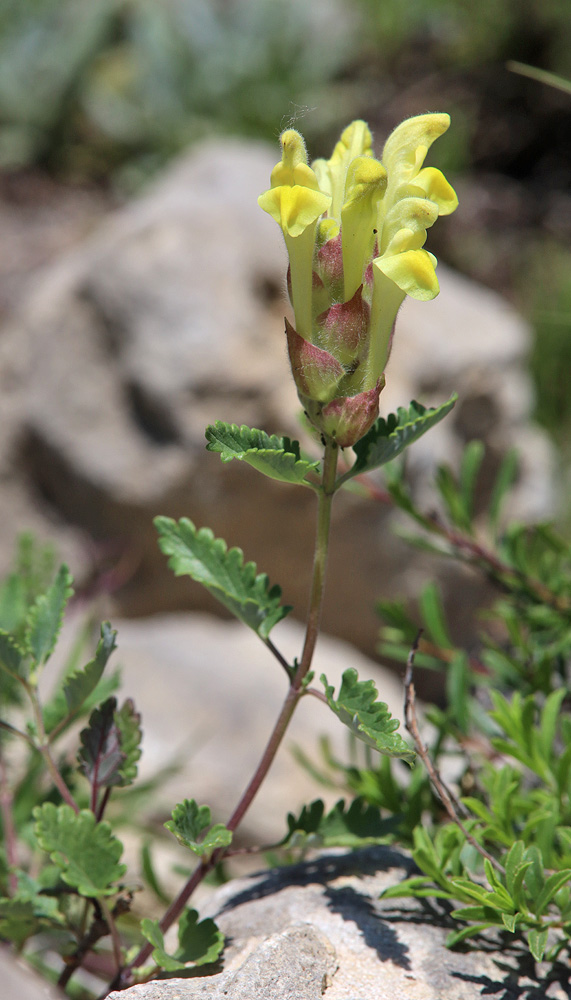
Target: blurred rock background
{"type": "Point", "coordinates": [141, 289]}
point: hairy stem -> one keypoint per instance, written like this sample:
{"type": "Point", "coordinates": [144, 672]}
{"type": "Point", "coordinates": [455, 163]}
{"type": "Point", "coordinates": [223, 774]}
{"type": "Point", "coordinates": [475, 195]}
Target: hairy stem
{"type": "Point", "coordinates": [43, 746]}
{"type": "Point", "coordinates": [295, 692]}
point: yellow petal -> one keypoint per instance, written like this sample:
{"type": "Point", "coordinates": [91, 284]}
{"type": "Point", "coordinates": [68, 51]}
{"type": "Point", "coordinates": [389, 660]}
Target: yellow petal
{"type": "Point", "coordinates": [412, 271]}
{"type": "Point", "coordinates": [294, 208]}
{"type": "Point", "coordinates": [434, 185]}
{"type": "Point", "coordinates": [355, 141]}
{"type": "Point", "coordinates": [413, 215]}
{"type": "Point", "coordinates": [365, 186]}
{"type": "Point", "coordinates": [407, 146]}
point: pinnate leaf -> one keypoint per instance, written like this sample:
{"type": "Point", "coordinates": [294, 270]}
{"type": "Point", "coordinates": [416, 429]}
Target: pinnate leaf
{"type": "Point", "coordinates": [46, 616]}
{"type": "Point", "coordinates": [279, 458]}
{"type": "Point", "coordinates": [357, 826]}
{"type": "Point", "coordinates": [388, 437]}
{"type": "Point", "coordinates": [370, 720]}
{"type": "Point", "coordinates": [237, 585]}
{"type": "Point", "coordinates": [189, 823]}
{"type": "Point", "coordinates": [86, 851]}
{"type": "Point", "coordinates": [80, 683]}
{"type": "Point", "coordinates": [199, 942]}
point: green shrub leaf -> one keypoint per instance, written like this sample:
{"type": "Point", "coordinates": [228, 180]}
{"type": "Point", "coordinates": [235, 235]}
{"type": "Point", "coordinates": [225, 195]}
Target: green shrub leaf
{"type": "Point", "coordinates": [86, 851]}
{"type": "Point", "coordinates": [46, 616]}
{"type": "Point", "coordinates": [80, 683]}
{"type": "Point", "coordinates": [388, 437]}
{"type": "Point", "coordinates": [370, 720]}
{"type": "Point", "coordinates": [279, 458]}
{"type": "Point", "coordinates": [188, 824]}
{"type": "Point", "coordinates": [238, 586]}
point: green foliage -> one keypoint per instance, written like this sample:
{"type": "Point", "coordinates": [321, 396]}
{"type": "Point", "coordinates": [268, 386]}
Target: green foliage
{"type": "Point", "coordinates": [46, 617]}
{"type": "Point", "coordinates": [110, 746]}
{"type": "Point", "coordinates": [86, 851]}
{"type": "Point", "coordinates": [222, 571]}
{"type": "Point", "coordinates": [276, 457]}
{"type": "Point", "coordinates": [199, 942]}
{"type": "Point", "coordinates": [79, 684]}
{"type": "Point", "coordinates": [370, 720]}
{"type": "Point", "coordinates": [93, 87]}
{"type": "Point", "coordinates": [507, 723]}
{"type": "Point", "coordinates": [189, 823]}
{"type": "Point", "coordinates": [389, 437]}
{"type": "Point", "coordinates": [356, 826]}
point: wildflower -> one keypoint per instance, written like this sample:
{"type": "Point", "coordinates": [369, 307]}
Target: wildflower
{"type": "Point", "coordinates": [354, 229]}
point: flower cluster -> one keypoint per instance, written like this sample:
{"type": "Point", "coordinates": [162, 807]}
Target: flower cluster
{"type": "Point", "coordinates": [354, 228]}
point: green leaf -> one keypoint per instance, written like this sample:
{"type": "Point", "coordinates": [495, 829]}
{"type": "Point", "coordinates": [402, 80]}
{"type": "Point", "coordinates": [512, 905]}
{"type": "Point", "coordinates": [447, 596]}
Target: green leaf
{"type": "Point", "coordinates": [276, 457]}
{"type": "Point", "coordinates": [46, 616]}
{"type": "Point", "coordinates": [434, 616]}
{"type": "Point", "coordinates": [128, 722]}
{"type": "Point", "coordinates": [359, 825]}
{"type": "Point", "coordinates": [189, 821]}
{"type": "Point", "coordinates": [101, 755]}
{"type": "Point", "coordinates": [387, 438]}
{"type": "Point", "coordinates": [504, 479]}
{"type": "Point", "coordinates": [370, 720]}
{"type": "Point", "coordinates": [456, 937]}
{"type": "Point", "coordinates": [198, 942]}
{"type": "Point", "coordinates": [21, 918]}
{"type": "Point", "coordinates": [236, 585]}
{"type": "Point", "coordinates": [80, 683]}
{"type": "Point", "coordinates": [553, 884]}
{"type": "Point", "coordinates": [469, 469]}
{"type": "Point", "coordinates": [86, 851]}
{"type": "Point", "coordinates": [11, 657]}
{"type": "Point", "coordinates": [537, 941]}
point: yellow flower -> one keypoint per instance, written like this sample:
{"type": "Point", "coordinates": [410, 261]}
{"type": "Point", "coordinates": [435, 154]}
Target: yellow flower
{"type": "Point", "coordinates": [355, 229]}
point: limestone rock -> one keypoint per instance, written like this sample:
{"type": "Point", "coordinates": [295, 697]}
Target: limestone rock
{"type": "Point", "coordinates": [367, 947]}
{"type": "Point", "coordinates": [169, 317]}
{"type": "Point", "coordinates": [20, 982]}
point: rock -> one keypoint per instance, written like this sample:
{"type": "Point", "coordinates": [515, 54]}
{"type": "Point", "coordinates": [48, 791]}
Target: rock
{"type": "Point", "coordinates": [319, 928]}
{"type": "Point", "coordinates": [170, 317]}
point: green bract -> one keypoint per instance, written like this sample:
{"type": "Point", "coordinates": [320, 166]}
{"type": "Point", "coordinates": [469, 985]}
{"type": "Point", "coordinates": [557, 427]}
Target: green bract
{"type": "Point", "coordinates": [354, 229]}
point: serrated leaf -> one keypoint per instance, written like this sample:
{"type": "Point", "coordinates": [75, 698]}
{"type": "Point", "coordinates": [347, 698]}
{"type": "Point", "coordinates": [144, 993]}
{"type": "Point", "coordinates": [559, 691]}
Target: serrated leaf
{"type": "Point", "coordinates": [388, 437]}
{"type": "Point", "coordinates": [128, 722]}
{"type": "Point", "coordinates": [12, 659]}
{"type": "Point", "coordinates": [55, 712]}
{"type": "Point", "coordinates": [21, 918]}
{"type": "Point", "coordinates": [80, 683]}
{"type": "Point", "coordinates": [198, 942]}
{"type": "Point", "coordinates": [237, 585]}
{"type": "Point", "coordinates": [101, 756]}
{"type": "Point", "coordinates": [370, 720]}
{"type": "Point", "coordinates": [189, 821]}
{"type": "Point", "coordinates": [46, 616]}
{"type": "Point", "coordinates": [276, 457]}
{"type": "Point", "coordinates": [85, 851]}
{"type": "Point", "coordinates": [359, 825]}
{"type": "Point", "coordinates": [537, 941]}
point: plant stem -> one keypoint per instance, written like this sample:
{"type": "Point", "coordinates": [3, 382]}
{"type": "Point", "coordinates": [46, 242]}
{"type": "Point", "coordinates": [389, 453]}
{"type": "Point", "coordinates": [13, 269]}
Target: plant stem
{"type": "Point", "coordinates": [320, 559]}
{"type": "Point", "coordinates": [44, 748]}
{"type": "Point", "coordinates": [295, 692]}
